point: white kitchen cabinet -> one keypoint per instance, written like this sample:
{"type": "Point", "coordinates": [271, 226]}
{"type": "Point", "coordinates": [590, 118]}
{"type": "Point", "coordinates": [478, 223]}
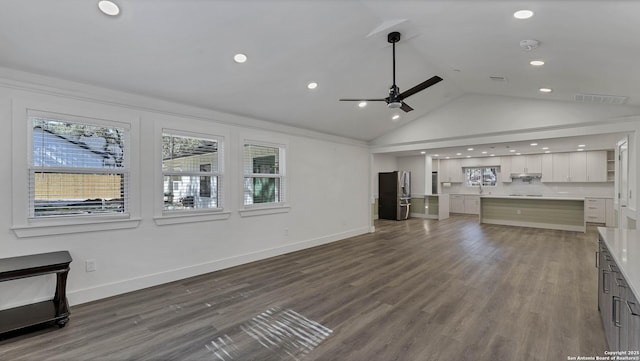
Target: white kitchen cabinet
{"type": "Point", "coordinates": [596, 163]}
{"type": "Point", "coordinates": [456, 203]}
{"type": "Point", "coordinates": [578, 167]}
{"type": "Point", "coordinates": [547, 168]}
{"type": "Point", "coordinates": [471, 204]}
{"type": "Point", "coordinates": [526, 163]}
{"type": "Point", "coordinates": [518, 163]}
{"type": "Point", "coordinates": [505, 169]}
{"type": "Point", "coordinates": [595, 210]}
{"type": "Point", "coordinates": [560, 167]}
{"type": "Point", "coordinates": [452, 170]}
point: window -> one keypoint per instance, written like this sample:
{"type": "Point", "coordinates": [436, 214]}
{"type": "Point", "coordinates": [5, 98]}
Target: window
{"type": "Point", "coordinates": [77, 168]}
{"type": "Point", "coordinates": [263, 174]}
{"type": "Point", "coordinates": [191, 171]}
{"type": "Point", "coordinates": [475, 177]}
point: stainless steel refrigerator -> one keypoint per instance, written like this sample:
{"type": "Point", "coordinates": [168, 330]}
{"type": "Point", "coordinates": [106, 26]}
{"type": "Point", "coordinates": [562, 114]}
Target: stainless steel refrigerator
{"type": "Point", "coordinates": [394, 195]}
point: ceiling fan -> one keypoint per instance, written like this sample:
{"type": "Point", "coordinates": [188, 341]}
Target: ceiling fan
{"type": "Point", "coordinates": [395, 98]}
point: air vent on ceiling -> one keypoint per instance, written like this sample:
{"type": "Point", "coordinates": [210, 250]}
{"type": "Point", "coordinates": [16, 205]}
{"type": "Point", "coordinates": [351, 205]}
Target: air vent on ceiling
{"type": "Point", "coordinates": [498, 78]}
{"type": "Point", "coordinates": [600, 99]}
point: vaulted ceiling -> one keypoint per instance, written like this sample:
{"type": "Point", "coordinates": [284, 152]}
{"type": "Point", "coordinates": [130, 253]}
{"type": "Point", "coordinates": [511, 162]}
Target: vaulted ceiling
{"type": "Point", "coordinates": [182, 50]}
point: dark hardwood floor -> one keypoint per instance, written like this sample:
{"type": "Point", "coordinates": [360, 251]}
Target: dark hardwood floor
{"type": "Point", "coordinates": [413, 290]}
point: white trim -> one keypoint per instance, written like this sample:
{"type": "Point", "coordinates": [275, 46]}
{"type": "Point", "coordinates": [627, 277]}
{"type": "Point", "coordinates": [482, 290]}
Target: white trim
{"type": "Point", "coordinates": [55, 229]}
{"type": "Point", "coordinates": [114, 288]}
{"type": "Point", "coordinates": [421, 215]}
{"type": "Point", "coordinates": [168, 219]}
{"type": "Point", "coordinates": [25, 226]}
{"type": "Point", "coordinates": [261, 211]}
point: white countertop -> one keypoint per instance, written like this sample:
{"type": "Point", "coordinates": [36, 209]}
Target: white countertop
{"type": "Point", "coordinates": [624, 246]}
{"type": "Point", "coordinates": [560, 198]}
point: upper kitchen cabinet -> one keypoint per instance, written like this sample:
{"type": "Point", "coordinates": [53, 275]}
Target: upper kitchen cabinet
{"type": "Point", "coordinates": [547, 168]}
{"type": "Point", "coordinates": [578, 167]}
{"type": "Point", "coordinates": [597, 166]}
{"type": "Point", "coordinates": [560, 167]}
{"type": "Point", "coordinates": [451, 170]}
{"type": "Point", "coordinates": [526, 163]}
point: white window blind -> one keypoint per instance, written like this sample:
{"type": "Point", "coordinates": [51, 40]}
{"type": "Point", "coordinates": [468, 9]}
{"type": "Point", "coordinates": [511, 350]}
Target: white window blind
{"type": "Point", "coordinates": [191, 168]}
{"type": "Point", "coordinates": [263, 174]}
{"type": "Point", "coordinates": [77, 169]}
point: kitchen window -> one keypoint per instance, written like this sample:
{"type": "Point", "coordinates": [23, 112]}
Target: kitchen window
{"type": "Point", "coordinates": [485, 176]}
{"type": "Point", "coordinates": [77, 168]}
{"type": "Point", "coordinates": [192, 172]}
{"type": "Point", "coordinates": [264, 174]}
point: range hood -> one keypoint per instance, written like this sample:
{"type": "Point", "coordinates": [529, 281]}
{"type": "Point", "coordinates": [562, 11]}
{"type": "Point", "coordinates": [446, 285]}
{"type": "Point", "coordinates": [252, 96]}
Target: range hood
{"type": "Point", "coordinates": [527, 177]}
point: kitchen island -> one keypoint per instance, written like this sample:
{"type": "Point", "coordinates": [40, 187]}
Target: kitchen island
{"type": "Point", "coordinates": [561, 213]}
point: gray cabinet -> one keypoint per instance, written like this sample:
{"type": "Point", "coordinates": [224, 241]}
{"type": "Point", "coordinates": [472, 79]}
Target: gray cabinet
{"type": "Point", "coordinates": [618, 305]}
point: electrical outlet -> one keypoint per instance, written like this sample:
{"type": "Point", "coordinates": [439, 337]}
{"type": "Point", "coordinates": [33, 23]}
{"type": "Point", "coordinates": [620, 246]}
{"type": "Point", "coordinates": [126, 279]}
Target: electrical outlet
{"type": "Point", "coordinates": [90, 265]}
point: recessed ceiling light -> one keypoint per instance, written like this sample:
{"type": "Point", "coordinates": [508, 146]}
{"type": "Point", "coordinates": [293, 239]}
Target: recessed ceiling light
{"type": "Point", "coordinates": [581, 145]}
{"type": "Point", "coordinates": [580, 149]}
{"type": "Point", "coordinates": [395, 117]}
{"type": "Point", "coordinates": [523, 14]}
{"type": "Point", "coordinates": [362, 104]}
{"type": "Point", "coordinates": [468, 156]}
{"type": "Point", "coordinates": [239, 58]}
{"type": "Point", "coordinates": [458, 153]}
{"type": "Point", "coordinates": [108, 7]}
{"type": "Point", "coordinates": [545, 148]}
{"type": "Point", "coordinates": [423, 152]}
{"type": "Point", "coordinates": [436, 155]}
{"type": "Point", "coordinates": [545, 90]}
{"type": "Point", "coordinates": [312, 85]}
{"type": "Point", "coordinates": [547, 151]}
{"type": "Point", "coordinates": [447, 157]}
{"type": "Point", "coordinates": [533, 144]}
{"type": "Point", "coordinates": [512, 150]}
{"type": "Point", "coordinates": [492, 155]}
{"type": "Point", "coordinates": [536, 62]}
{"type": "Point", "coordinates": [485, 152]}
{"type": "Point", "coordinates": [518, 153]}
{"type": "Point", "coordinates": [469, 149]}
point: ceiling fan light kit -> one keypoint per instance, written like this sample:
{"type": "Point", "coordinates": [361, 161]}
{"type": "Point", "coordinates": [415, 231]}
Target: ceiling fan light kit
{"type": "Point", "coordinates": [395, 99]}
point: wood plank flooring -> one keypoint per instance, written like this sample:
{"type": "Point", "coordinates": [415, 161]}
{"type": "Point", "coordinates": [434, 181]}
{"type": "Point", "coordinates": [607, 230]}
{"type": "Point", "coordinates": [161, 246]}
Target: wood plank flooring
{"type": "Point", "coordinates": [413, 290]}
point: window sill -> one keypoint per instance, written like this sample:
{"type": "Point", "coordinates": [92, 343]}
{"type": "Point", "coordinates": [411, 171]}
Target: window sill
{"type": "Point", "coordinates": [180, 218]}
{"type": "Point", "coordinates": [55, 228]}
{"type": "Point", "coordinates": [260, 211]}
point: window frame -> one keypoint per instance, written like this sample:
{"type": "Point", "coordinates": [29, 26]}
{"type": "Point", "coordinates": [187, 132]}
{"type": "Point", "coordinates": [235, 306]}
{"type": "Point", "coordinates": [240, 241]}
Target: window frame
{"type": "Point", "coordinates": [219, 173]}
{"type": "Point", "coordinates": [467, 182]}
{"type": "Point", "coordinates": [23, 224]}
{"type": "Point", "coordinates": [70, 170]}
{"type": "Point", "coordinates": [282, 205]}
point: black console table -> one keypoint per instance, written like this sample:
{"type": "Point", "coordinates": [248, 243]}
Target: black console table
{"type": "Point", "coordinates": [53, 311]}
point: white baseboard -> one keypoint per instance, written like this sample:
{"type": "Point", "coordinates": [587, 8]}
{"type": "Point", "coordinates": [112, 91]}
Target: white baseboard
{"type": "Point", "coordinates": [115, 288]}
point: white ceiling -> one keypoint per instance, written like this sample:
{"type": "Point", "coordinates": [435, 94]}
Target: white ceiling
{"type": "Point", "coordinates": [182, 50]}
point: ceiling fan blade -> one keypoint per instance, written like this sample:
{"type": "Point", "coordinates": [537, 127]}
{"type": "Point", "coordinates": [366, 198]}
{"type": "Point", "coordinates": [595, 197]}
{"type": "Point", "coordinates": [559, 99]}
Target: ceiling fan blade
{"type": "Point", "coordinates": [406, 107]}
{"type": "Point", "coordinates": [420, 87]}
{"type": "Point", "coordinates": [363, 100]}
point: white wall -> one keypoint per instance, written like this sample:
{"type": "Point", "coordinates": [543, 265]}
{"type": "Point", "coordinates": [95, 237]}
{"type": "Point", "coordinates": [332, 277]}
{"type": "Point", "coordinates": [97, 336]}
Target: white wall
{"type": "Point", "coordinates": [416, 165]}
{"type": "Point", "coordinates": [325, 178]}
{"type": "Point", "coordinates": [381, 163]}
